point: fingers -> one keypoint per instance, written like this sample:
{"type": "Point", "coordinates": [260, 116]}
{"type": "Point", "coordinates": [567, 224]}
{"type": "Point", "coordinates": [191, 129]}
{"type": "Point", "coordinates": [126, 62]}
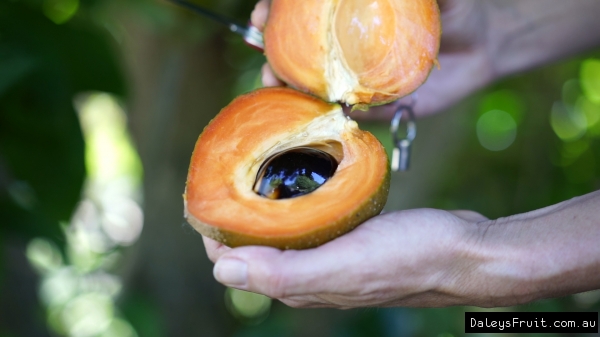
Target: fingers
{"type": "Point", "coordinates": [259, 19]}
{"type": "Point", "coordinates": [260, 14]}
{"type": "Point", "coordinates": [464, 25]}
{"type": "Point", "coordinates": [214, 249]}
{"type": "Point", "coordinates": [398, 258]}
{"type": "Point", "coordinates": [282, 274]}
{"type": "Point", "coordinates": [268, 77]}
{"type": "Point", "coordinates": [269, 271]}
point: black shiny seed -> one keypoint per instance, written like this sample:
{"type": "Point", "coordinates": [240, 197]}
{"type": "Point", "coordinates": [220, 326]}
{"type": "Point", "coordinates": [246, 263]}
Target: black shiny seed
{"type": "Point", "coordinates": [294, 173]}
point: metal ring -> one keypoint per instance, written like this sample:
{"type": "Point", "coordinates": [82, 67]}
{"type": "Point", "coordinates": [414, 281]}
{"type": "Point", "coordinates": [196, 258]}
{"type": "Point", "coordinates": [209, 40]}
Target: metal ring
{"type": "Point", "coordinates": [401, 153]}
{"type": "Point", "coordinates": [411, 126]}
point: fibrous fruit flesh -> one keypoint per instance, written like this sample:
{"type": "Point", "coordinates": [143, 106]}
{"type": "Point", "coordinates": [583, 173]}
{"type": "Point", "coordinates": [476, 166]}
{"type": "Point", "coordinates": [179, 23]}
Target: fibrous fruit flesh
{"type": "Point", "coordinates": [220, 198]}
{"type": "Point", "coordinates": [366, 52]}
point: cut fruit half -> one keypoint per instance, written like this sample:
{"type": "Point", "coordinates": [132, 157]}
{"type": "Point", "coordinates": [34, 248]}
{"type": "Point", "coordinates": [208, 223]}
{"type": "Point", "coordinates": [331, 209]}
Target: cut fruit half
{"type": "Point", "coordinates": [366, 52]}
{"type": "Point", "coordinates": [221, 199]}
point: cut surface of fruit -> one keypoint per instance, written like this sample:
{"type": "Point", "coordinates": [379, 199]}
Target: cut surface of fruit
{"type": "Point", "coordinates": [353, 51]}
{"type": "Point", "coordinates": [220, 197]}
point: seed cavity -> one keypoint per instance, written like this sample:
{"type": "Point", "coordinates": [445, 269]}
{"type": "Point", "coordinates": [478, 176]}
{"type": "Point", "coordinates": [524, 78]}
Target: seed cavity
{"type": "Point", "coordinates": [294, 172]}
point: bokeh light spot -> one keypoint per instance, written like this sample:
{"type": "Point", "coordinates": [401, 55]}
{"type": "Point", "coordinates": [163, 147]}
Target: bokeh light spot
{"type": "Point", "coordinates": [109, 152]}
{"type": "Point", "coordinates": [248, 307]}
{"type": "Point", "coordinates": [44, 255]}
{"type": "Point", "coordinates": [122, 220]}
{"type": "Point", "coordinates": [590, 79]}
{"type": "Point", "coordinates": [88, 315]}
{"type": "Point", "coordinates": [590, 110]}
{"type": "Point", "coordinates": [59, 287]}
{"type": "Point", "coordinates": [496, 130]}
{"type": "Point", "coordinates": [119, 328]}
{"type": "Point", "coordinates": [587, 299]}
{"type": "Point", "coordinates": [505, 100]}
{"type": "Point", "coordinates": [60, 11]}
{"type": "Point", "coordinates": [567, 122]}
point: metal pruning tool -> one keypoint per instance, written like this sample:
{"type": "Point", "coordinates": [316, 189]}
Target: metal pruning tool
{"type": "Point", "coordinates": [251, 35]}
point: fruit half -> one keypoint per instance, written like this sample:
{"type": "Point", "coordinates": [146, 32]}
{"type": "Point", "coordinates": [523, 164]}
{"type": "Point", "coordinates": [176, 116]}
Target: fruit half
{"type": "Point", "coordinates": [221, 201]}
{"type": "Point", "coordinates": [367, 52]}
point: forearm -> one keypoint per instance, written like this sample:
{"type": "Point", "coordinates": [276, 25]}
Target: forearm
{"type": "Point", "coordinates": [545, 253]}
{"type": "Point", "coordinates": [523, 34]}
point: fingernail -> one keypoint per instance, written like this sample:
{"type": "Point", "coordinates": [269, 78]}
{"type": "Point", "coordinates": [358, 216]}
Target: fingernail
{"type": "Point", "coordinates": [231, 272]}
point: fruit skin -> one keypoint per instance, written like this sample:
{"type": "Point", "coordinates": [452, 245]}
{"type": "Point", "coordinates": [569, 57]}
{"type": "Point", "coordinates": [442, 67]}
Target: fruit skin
{"type": "Point", "coordinates": [367, 52]}
{"type": "Point", "coordinates": [220, 203]}
{"type": "Point", "coordinates": [372, 206]}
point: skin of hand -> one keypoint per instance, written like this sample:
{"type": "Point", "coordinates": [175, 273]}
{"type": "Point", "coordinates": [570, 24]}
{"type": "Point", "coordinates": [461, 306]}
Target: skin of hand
{"type": "Point", "coordinates": [430, 258]}
{"type": "Point", "coordinates": [434, 258]}
{"type": "Point", "coordinates": [383, 262]}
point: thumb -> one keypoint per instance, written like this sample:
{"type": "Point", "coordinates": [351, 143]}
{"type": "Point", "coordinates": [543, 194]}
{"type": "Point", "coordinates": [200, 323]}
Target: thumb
{"type": "Point", "coordinates": [280, 274]}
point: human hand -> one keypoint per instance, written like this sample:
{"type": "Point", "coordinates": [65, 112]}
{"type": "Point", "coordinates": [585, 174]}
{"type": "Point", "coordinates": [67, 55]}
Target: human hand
{"type": "Point", "coordinates": [464, 60]}
{"type": "Point", "coordinates": [485, 40]}
{"type": "Point", "coordinates": [405, 258]}
{"type": "Point", "coordinates": [430, 258]}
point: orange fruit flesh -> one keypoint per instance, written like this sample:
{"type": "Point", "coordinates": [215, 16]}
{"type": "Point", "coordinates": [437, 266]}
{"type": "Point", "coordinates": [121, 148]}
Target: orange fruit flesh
{"type": "Point", "coordinates": [220, 202]}
{"type": "Point", "coordinates": [353, 51]}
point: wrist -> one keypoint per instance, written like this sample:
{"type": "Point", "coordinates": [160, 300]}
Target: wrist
{"type": "Point", "coordinates": [482, 268]}
{"type": "Point", "coordinates": [493, 268]}
{"type": "Point", "coordinates": [546, 253]}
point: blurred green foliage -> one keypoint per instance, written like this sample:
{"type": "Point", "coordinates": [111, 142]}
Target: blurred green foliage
{"type": "Point", "coordinates": [42, 67]}
{"type": "Point", "coordinates": [540, 168]}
